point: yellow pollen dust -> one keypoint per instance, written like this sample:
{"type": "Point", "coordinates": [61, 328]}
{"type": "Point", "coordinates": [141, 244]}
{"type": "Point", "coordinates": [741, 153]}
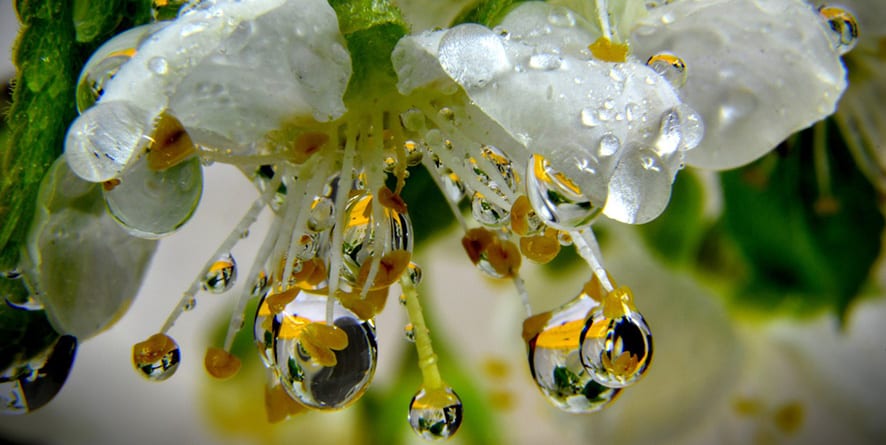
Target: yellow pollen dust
{"type": "Point", "coordinates": [221, 364]}
{"type": "Point", "coordinates": [607, 51]}
{"type": "Point", "coordinates": [170, 144]}
{"type": "Point", "coordinates": [391, 266]}
{"type": "Point", "coordinates": [618, 303]}
{"type": "Point", "coordinates": [365, 308]}
{"type": "Point", "coordinates": [153, 349]}
{"type": "Point", "coordinates": [317, 338]}
{"type": "Point", "coordinates": [306, 144]}
{"type": "Point", "coordinates": [279, 405]}
{"type": "Point", "coordinates": [541, 248]}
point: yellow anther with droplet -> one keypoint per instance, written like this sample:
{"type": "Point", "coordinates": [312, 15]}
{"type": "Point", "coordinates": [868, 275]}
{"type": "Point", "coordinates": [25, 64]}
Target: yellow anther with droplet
{"type": "Point", "coordinates": [306, 144]}
{"type": "Point", "coordinates": [541, 248]}
{"type": "Point", "coordinates": [221, 364]}
{"type": "Point", "coordinates": [311, 273]}
{"type": "Point", "coordinates": [436, 398]}
{"type": "Point", "coordinates": [364, 308]}
{"type": "Point", "coordinates": [520, 213]}
{"type": "Point", "coordinates": [533, 325]}
{"type": "Point", "coordinates": [475, 242]}
{"type": "Point", "coordinates": [504, 257]}
{"type": "Point", "coordinates": [170, 144]}
{"type": "Point", "coordinates": [279, 405]}
{"type": "Point", "coordinates": [391, 200]}
{"type": "Point", "coordinates": [618, 303]}
{"type": "Point", "coordinates": [391, 266]}
{"type": "Point", "coordinates": [669, 59]}
{"type": "Point", "coordinates": [594, 288]}
{"type": "Point", "coordinates": [153, 349]}
{"type": "Point", "coordinates": [607, 51]}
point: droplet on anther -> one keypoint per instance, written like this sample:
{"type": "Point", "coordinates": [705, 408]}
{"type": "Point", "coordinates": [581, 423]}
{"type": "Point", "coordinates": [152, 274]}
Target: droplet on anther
{"type": "Point", "coordinates": [435, 413]}
{"type": "Point", "coordinates": [156, 358]}
{"type": "Point", "coordinates": [221, 364]}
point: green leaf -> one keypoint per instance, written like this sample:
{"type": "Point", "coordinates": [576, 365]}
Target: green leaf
{"type": "Point", "coordinates": [488, 13]}
{"type": "Point", "coordinates": [676, 235]}
{"type": "Point", "coordinates": [371, 28]}
{"type": "Point", "coordinates": [92, 18]}
{"type": "Point", "coordinates": [807, 223]}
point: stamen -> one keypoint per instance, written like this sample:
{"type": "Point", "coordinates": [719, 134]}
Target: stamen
{"type": "Point", "coordinates": [341, 199]}
{"type": "Point", "coordinates": [589, 250]}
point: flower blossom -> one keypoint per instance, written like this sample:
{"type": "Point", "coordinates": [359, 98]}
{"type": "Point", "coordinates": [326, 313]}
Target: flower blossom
{"type": "Point", "coordinates": [543, 123]}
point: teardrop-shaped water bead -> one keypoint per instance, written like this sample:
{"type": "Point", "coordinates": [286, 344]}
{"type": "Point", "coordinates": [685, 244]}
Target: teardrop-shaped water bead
{"type": "Point", "coordinates": [320, 366]}
{"type": "Point", "coordinates": [359, 236]}
{"type": "Point", "coordinates": [267, 321]}
{"type": "Point", "coordinates": [104, 63]}
{"type": "Point", "coordinates": [221, 275]}
{"type": "Point", "coordinates": [435, 413]}
{"type": "Point", "coordinates": [556, 199]}
{"type": "Point", "coordinates": [616, 343]}
{"type": "Point", "coordinates": [554, 358]}
{"type": "Point", "coordinates": [150, 204]}
{"type": "Point", "coordinates": [156, 358]}
{"type": "Point", "coordinates": [670, 67]}
{"type": "Point", "coordinates": [27, 386]}
{"type": "Point", "coordinates": [841, 26]}
{"type": "Point", "coordinates": [488, 213]}
{"type": "Point", "coordinates": [322, 214]}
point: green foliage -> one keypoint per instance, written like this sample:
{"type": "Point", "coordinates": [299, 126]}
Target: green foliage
{"type": "Point", "coordinates": [488, 12]}
{"type": "Point", "coordinates": [676, 235]}
{"type": "Point", "coordinates": [807, 224]}
{"type": "Point", "coordinates": [426, 204]}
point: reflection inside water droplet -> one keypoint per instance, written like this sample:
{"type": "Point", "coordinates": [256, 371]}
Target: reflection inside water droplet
{"type": "Point", "coordinates": [221, 275]}
{"type": "Point", "coordinates": [435, 413]}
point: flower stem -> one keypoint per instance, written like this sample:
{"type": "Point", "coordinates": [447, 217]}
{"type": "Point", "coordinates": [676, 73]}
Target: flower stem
{"type": "Point", "coordinates": [589, 250]}
{"type": "Point", "coordinates": [427, 359]}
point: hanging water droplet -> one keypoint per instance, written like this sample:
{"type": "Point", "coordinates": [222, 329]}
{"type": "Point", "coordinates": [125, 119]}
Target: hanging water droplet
{"type": "Point", "coordinates": [106, 139]}
{"type": "Point", "coordinates": [359, 235]}
{"type": "Point", "coordinates": [616, 343]}
{"type": "Point", "coordinates": [321, 366]}
{"type": "Point", "coordinates": [11, 274]}
{"type": "Point", "coordinates": [150, 203]}
{"type": "Point", "coordinates": [553, 340]}
{"type": "Point", "coordinates": [557, 200]}
{"type": "Point", "coordinates": [28, 386]}
{"type": "Point", "coordinates": [409, 332]}
{"type": "Point", "coordinates": [156, 358]}
{"type": "Point", "coordinates": [413, 272]}
{"type": "Point", "coordinates": [670, 133]}
{"type": "Point", "coordinates": [691, 125]}
{"type": "Point", "coordinates": [412, 119]}
{"type": "Point", "coordinates": [221, 275]}
{"type": "Point", "coordinates": [841, 26]}
{"type": "Point", "coordinates": [472, 55]}
{"type": "Point", "coordinates": [190, 304]}
{"type": "Point", "coordinates": [435, 413]}
{"type": "Point", "coordinates": [487, 213]}
{"type": "Point", "coordinates": [670, 67]}
{"type": "Point", "coordinates": [322, 214]}
{"type": "Point", "coordinates": [106, 61]}
{"type": "Point", "coordinates": [452, 185]}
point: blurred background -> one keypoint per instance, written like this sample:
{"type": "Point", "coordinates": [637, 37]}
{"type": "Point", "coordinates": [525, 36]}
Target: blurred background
{"type": "Point", "coordinates": [744, 360]}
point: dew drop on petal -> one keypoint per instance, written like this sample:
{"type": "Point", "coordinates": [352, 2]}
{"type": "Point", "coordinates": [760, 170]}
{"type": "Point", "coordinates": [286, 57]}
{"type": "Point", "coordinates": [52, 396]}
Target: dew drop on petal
{"type": "Point", "coordinates": [608, 146]}
{"type": "Point", "coordinates": [105, 139]}
{"type": "Point", "coordinates": [841, 26]}
{"type": "Point", "coordinates": [27, 386]}
{"type": "Point", "coordinates": [670, 133]}
{"type": "Point", "coordinates": [561, 16]}
{"type": "Point", "coordinates": [556, 199]}
{"type": "Point", "coordinates": [545, 61]}
{"type": "Point", "coordinates": [616, 343]}
{"type": "Point", "coordinates": [670, 67]}
{"type": "Point", "coordinates": [588, 117]}
{"type": "Point", "coordinates": [221, 275]}
{"type": "Point", "coordinates": [150, 204]}
{"type": "Point", "coordinates": [303, 372]}
{"type": "Point", "coordinates": [435, 413]}
{"type": "Point", "coordinates": [359, 235]}
{"type": "Point", "coordinates": [554, 358]}
{"type": "Point", "coordinates": [156, 358]}
{"type": "Point", "coordinates": [473, 55]}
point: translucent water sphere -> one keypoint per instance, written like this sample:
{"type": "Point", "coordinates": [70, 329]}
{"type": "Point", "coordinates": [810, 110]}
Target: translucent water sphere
{"type": "Point", "coordinates": [556, 199]}
{"type": "Point", "coordinates": [323, 366]}
{"type": "Point", "coordinates": [221, 275]}
{"type": "Point", "coordinates": [435, 413]}
{"type": "Point", "coordinates": [842, 27]}
{"type": "Point", "coordinates": [156, 358]}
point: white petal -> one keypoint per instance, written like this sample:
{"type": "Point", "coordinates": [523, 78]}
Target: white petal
{"type": "Point", "coordinates": [758, 71]}
{"type": "Point", "coordinates": [415, 61]}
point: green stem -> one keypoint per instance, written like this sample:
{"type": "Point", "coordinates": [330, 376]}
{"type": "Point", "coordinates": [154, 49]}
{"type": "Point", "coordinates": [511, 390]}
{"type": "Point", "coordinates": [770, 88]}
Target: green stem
{"type": "Point", "coordinates": [427, 359]}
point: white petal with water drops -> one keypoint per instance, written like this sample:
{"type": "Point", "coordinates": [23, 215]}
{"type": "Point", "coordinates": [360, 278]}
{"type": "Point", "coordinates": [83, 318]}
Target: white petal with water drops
{"type": "Point", "coordinates": [757, 71]}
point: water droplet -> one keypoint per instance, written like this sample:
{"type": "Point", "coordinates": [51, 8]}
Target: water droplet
{"type": "Point", "coordinates": [492, 252]}
{"type": "Point", "coordinates": [632, 111]}
{"type": "Point", "coordinates": [609, 145]}
{"type": "Point", "coordinates": [452, 185]}
{"type": "Point", "coordinates": [487, 213]}
{"type": "Point", "coordinates": [316, 367]}
{"type": "Point", "coordinates": [589, 117]}
{"type": "Point", "coordinates": [412, 119]}
{"type": "Point", "coordinates": [667, 18]}
{"type": "Point", "coordinates": [616, 343]}
{"type": "Point", "coordinates": [150, 203]}
{"type": "Point", "coordinates": [409, 332]}
{"type": "Point", "coordinates": [554, 358]}
{"type": "Point", "coordinates": [561, 16]}
{"type": "Point", "coordinates": [190, 304]}
{"type": "Point", "coordinates": [472, 55]}
{"type": "Point", "coordinates": [413, 272]}
{"type": "Point", "coordinates": [605, 114]}
{"type": "Point", "coordinates": [221, 274]}
{"type": "Point", "coordinates": [359, 236]}
{"type": "Point", "coordinates": [841, 26]}
{"type": "Point", "coordinates": [11, 274]}
{"type": "Point", "coordinates": [556, 199]}
{"type": "Point", "coordinates": [158, 65]}
{"type": "Point", "coordinates": [29, 304]}
{"type": "Point", "coordinates": [105, 140]}
{"type": "Point", "coordinates": [322, 215]}
{"type": "Point", "coordinates": [28, 386]}
{"type": "Point", "coordinates": [692, 126]}
{"type": "Point", "coordinates": [670, 134]}
{"type": "Point", "coordinates": [736, 105]}
{"type": "Point", "coordinates": [545, 62]}
{"type": "Point", "coordinates": [670, 67]}
{"type": "Point", "coordinates": [156, 358]}
{"type": "Point", "coordinates": [435, 413]}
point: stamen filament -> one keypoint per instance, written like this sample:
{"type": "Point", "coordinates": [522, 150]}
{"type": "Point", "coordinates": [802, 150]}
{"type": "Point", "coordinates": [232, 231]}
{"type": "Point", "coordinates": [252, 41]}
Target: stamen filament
{"type": "Point", "coordinates": [524, 294]}
{"type": "Point", "coordinates": [603, 18]}
{"type": "Point", "coordinates": [232, 239]}
{"type": "Point", "coordinates": [587, 247]}
{"type": "Point", "coordinates": [453, 206]}
{"type": "Point", "coordinates": [427, 359]}
{"type": "Point", "coordinates": [342, 194]}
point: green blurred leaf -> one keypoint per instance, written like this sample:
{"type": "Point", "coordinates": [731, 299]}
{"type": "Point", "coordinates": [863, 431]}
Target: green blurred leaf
{"type": "Point", "coordinates": [676, 235]}
{"type": "Point", "coordinates": [24, 333]}
{"type": "Point", "coordinates": [809, 245]}
{"type": "Point", "coordinates": [426, 205]}
{"type": "Point", "coordinates": [488, 13]}
{"type": "Point", "coordinates": [95, 17]}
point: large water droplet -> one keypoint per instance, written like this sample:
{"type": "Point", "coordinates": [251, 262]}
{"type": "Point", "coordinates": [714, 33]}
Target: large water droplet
{"type": "Point", "coordinates": [616, 343]}
{"type": "Point", "coordinates": [670, 67]}
{"type": "Point", "coordinates": [156, 358]}
{"type": "Point", "coordinates": [473, 55]}
{"type": "Point", "coordinates": [315, 367]}
{"type": "Point", "coordinates": [561, 16]}
{"type": "Point", "coordinates": [639, 188]}
{"type": "Point", "coordinates": [221, 275]}
{"type": "Point", "coordinates": [554, 358]}
{"type": "Point", "coordinates": [545, 61]}
{"type": "Point", "coordinates": [841, 26]}
{"type": "Point", "coordinates": [435, 413]}
{"type": "Point", "coordinates": [488, 213]}
{"type": "Point", "coordinates": [556, 199]}
{"type": "Point", "coordinates": [151, 204]}
{"type": "Point", "coordinates": [322, 215]}
{"type": "Point", "coordinates": [359, 235]}
{"type": "Point", "coordinates": [105, 139]}
{"type": "Point", "coordinates": [27, 386]}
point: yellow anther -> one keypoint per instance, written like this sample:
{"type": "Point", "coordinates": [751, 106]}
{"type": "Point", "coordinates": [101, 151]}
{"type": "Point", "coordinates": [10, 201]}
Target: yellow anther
{"type": "Point", "coordinates": [748, 407]}
{"type": "Point", "coordinates": [221, 364]}
{"type": "Point", "coordinates": [436, 398]}
{"type": "Point", "coordinates": [475, 242]}
{"type": "Point", "coordinates": [520, 213]}
{"type": "Point", "coordinates": [607, 51]}
{"type": "Point", "coordinates": [391, 266]}
{"type": "Point", "coordinates": [279, 405]}
{"type": "Point", "coordinates": [391, 200]}
{"type": "Point", "coordinates": [594, 288]}
{"type": "Point", "coordinates": [789, 417]}
{"type": "Point", "coordinates": [277, 302]}
{"type": "Point", "coordinates": [533, 325]}
{"type": "Point", "coordinates": [365, 308]}
{"type": "Point", "coordinates": [618, 303]}
{"type": "Point", "coordinates": [170, 144]}
{"type": "Point", "coordinates": [502, 399]}
{"type": "Point", "coordinates": [504, 257]}
{"type": "Point", "coordinates": [153, 349]}
{"type": "Point", "coordinates": [306, 144]}
{"type": "Point", "coordinates": [110, 184]}
{"type": "Point", "coordinates": [541, 248]}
